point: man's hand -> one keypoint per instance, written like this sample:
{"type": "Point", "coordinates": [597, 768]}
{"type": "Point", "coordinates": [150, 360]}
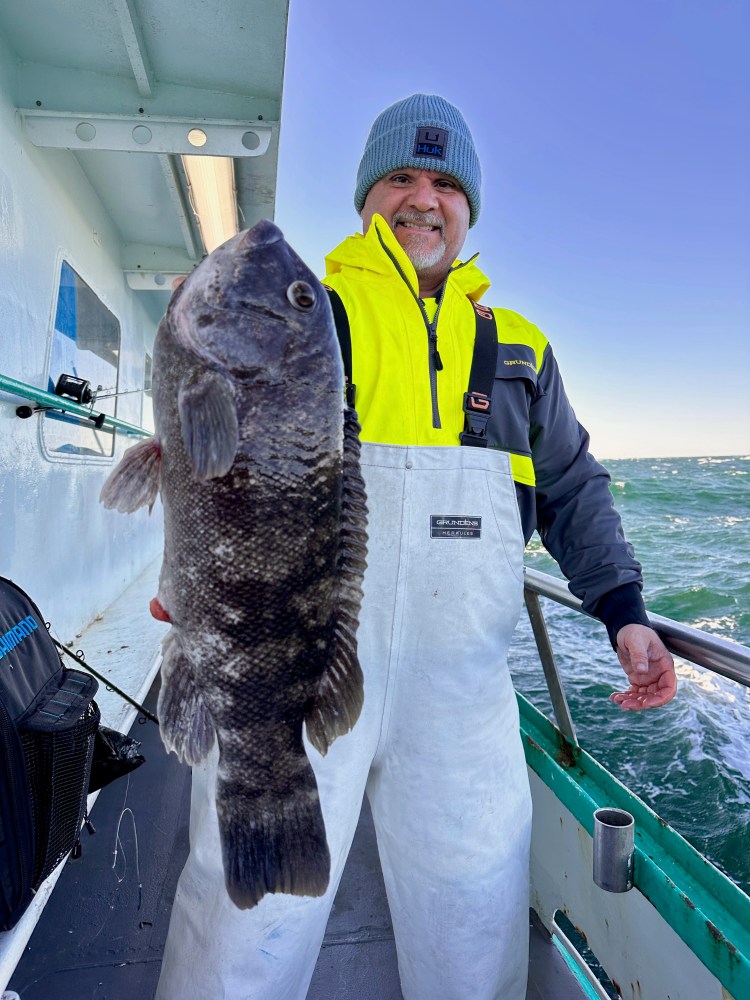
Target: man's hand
{"type": "Point", "coordinates": [649, 668]}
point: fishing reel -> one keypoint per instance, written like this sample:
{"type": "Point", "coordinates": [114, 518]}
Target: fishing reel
{"type": "Point", "coordinates": [69, 387]}
{"type": "Point", "coordinates": [74, 388]}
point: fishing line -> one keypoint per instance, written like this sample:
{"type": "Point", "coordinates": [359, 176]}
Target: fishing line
{"type": "Point", "coordinates": [119, 845]}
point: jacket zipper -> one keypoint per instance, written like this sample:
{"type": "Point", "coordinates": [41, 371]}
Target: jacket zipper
{"type": "Point", "coordinates": [435, 364]}
{"type": "Point", "coordinates": [433, 357]}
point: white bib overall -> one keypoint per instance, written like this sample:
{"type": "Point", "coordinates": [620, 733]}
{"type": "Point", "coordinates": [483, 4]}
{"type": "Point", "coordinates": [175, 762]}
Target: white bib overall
{"type": "Point", "coordinates": [437, 749]}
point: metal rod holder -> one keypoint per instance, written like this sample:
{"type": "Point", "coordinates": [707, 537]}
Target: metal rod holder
{"type": "Point", "coordinates": [614, 849]}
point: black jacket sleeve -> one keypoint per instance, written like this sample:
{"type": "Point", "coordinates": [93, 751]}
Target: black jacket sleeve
{"type": "Point", "coordinates": [575, 515]}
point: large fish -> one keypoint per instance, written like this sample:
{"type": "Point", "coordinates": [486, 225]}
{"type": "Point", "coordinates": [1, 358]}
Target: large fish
{"type": "Point", "coordinates": [256, 459]}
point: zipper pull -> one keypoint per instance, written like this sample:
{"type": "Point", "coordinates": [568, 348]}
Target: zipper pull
{"type": "Point", "coordinates": [435, 353]}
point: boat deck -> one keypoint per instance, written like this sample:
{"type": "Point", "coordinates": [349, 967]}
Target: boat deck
{"type": "Point", "coordinates": [103, 929]}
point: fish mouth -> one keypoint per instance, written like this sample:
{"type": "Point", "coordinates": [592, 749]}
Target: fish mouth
{"type": "Point", "coordinates": [267, 311]}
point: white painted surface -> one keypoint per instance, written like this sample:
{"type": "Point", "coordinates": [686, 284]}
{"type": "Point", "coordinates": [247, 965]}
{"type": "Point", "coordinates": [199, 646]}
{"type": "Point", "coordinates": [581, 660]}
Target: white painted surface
{"type": "Point", "coordinates": [56, 541]}
{"type": "Point", "coordinates": [91, 572]}
{"type": "Point", "coordinates": [636, 947]}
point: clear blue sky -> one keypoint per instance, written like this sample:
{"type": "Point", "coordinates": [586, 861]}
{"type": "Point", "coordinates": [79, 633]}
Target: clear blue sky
{"type": "Point", "coordinates": [615, 144]}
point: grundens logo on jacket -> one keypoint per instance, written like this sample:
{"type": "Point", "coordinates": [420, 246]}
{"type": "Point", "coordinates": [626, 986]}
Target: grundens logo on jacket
{"type": "Point", "coordinates": [17, 634]}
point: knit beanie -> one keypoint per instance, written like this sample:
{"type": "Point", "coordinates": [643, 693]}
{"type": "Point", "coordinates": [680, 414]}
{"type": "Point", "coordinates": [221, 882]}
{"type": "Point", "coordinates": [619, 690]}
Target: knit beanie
{"type": "Point", "coordinates": [424, 132]}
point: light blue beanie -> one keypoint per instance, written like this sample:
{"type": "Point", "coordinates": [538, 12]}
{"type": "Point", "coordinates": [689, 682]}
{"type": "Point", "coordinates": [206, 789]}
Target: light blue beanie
{"type": "Point", "coordinates": [424, 132]}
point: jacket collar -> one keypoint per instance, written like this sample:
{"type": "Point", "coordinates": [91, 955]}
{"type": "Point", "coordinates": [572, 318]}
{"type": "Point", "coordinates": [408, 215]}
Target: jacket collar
{"type": "Point", "coordinates": [377, 250]}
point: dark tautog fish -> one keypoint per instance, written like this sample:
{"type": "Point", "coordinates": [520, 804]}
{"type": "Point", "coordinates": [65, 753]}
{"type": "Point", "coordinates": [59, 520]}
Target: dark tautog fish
{"type": "Point", "coordinates": [264, 547]}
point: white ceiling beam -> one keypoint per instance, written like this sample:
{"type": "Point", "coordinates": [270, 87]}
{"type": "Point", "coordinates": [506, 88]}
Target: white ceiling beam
{"type": "Point", "coordinates": [179, 203]}
{"type": "Point", "coordinates": [144, 258]}
{"type": "Point", "coordinates": [135, 46]}
{"type": "Point", "coordinates": [145, 133]}
{"type": "Point", "coordinates": [61, 88]}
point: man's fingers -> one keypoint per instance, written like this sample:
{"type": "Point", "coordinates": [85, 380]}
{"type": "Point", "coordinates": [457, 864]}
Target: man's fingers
{"type": "Point", "coordinates": [649, 669]}
{"type": "Point", "coordinates": [638, 653]}
{"type": "Point", "coordinates": [638, 697]}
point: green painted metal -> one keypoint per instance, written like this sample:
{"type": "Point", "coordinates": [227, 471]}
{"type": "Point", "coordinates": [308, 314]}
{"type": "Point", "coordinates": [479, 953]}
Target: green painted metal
{"type": "Point", "coordinates": [708, 911]}
{"type": "Point", "coordinates": [49, 399]}
{"type": "Point", "coordinates": [587, 990]}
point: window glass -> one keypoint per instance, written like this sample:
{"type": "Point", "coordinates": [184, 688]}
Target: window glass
{"type": "Point", "coordinates": [86, 345]}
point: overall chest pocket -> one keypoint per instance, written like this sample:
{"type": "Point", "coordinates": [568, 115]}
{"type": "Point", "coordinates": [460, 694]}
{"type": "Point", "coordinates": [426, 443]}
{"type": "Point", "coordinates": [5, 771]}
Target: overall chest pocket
{"type": "Point", "coordinates": [515, 388]}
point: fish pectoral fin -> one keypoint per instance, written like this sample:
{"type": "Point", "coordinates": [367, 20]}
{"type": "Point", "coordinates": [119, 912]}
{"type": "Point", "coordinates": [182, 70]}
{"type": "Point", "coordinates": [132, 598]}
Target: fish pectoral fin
{"type": "Point", "coordinates": [184, 720]}
{"type": "Point", "coordinates": [338, 699]}
{"type": "Point", "coordinates": [134, 482]}
{"type": "Point", "coordinates": [208, 418]}
{"type": "Point", "coordinates": [273, 843]}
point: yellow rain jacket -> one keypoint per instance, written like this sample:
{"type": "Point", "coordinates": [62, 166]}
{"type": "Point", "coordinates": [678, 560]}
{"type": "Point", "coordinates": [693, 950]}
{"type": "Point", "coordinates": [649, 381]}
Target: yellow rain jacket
{"type": "Point", "coordinates": [411, 361]}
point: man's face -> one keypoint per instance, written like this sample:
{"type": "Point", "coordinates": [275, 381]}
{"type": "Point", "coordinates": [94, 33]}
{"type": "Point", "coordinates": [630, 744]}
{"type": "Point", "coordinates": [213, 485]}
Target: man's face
{"type": "Point", "coordinates": [429, 214]}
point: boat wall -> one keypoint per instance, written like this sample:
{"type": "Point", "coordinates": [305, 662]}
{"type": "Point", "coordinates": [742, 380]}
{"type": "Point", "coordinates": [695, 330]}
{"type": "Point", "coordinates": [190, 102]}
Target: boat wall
{"type": "Point", "coordinates": [56, 540]}
{"type": "Point", "coordinates": [637, 948]}
{"type": "Point", "coordinates": [681, 932]}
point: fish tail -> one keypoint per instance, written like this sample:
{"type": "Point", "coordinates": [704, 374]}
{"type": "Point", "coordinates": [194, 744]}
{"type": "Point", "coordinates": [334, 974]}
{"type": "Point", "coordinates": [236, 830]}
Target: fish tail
{"type": "Point", "coordinates": [280, 848]}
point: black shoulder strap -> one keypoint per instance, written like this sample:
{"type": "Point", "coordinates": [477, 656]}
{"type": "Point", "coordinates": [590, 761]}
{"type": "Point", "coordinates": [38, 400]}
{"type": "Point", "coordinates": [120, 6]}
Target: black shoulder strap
{"type": "Point", "coordinates": [478, 397]}
{"type": "Point", "coordinates": [345, 341]}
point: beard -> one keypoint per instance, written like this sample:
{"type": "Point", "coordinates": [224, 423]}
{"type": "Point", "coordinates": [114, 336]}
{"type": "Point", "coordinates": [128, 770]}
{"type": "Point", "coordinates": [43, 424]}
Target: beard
{"type": "Point", "coordinates": [421, 257]}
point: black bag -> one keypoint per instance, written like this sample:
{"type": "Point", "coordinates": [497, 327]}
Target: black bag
{"type": "Point", "coordinates": [48, 727]}
{"type": "Point", "coordinates": [115, 755]}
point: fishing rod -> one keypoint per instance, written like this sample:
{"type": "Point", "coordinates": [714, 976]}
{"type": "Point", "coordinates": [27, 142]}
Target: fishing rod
{"type": "Point", "coordinates": [112, 395]}
{"type": "Point", "coordinates": [80, 390]}
{"type": "Point", "coordinates": [78, 657]}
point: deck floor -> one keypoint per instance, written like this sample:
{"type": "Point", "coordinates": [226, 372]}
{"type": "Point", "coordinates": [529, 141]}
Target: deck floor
{"type": "Point", "coordinates": [102, 932]}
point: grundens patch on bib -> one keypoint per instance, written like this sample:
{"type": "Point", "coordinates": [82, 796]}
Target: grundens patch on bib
{"type": "Point", "coordinates": [455, 526]}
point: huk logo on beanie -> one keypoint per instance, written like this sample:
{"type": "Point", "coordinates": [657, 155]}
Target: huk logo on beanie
{"type": "Point", "coordinates": [431, 142]}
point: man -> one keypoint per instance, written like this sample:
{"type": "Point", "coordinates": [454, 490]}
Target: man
{"type": "Point", "coordinates": [465, 450]}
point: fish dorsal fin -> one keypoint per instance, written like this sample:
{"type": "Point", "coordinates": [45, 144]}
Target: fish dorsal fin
{"type": "Point", "coordinates": [208, 419]}
{"type": "Point", "coordinates": [134, 482]}
{"type": "Point", "coordinates": [340, 692]}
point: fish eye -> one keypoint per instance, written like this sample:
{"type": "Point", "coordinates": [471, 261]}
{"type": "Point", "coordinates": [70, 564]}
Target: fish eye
{"type": "Point", "coordinates": [301, 295]}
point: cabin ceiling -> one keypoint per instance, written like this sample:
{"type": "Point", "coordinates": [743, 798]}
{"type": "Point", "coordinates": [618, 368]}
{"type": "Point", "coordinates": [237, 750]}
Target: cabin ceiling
{"type": "Point", "coordinates": [120, 83]}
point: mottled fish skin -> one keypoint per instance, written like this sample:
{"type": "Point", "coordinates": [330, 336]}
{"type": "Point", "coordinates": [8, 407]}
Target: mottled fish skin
{"type": "Point", "coordinates": [265, 538]}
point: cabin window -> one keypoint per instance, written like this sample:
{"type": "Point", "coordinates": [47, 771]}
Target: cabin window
{"type": "Point", "coordinates": [147, 409]}
{"type": "Point", "coordinates": [85, 344]}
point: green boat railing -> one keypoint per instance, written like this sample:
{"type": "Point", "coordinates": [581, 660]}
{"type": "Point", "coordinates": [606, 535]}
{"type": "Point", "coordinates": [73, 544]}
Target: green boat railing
{"type": "Point", "coordinates": [50, 401]}
{"type": "Point", "coordinates": [708, 911]}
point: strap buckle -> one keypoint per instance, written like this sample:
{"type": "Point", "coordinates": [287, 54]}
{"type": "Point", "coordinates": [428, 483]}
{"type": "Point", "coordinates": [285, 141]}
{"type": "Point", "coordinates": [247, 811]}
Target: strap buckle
{"type": "Point", "coordinates": [350, 393]}
{"type": "Point", "coordinates": [477, 409]}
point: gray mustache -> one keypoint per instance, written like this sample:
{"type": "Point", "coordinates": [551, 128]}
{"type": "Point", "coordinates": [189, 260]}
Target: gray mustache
{"type": "Point", "coordinates": [428, 219]}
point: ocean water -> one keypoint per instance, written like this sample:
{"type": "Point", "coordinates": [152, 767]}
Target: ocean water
{"type": "Point", "coordinates": [689, 521]}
